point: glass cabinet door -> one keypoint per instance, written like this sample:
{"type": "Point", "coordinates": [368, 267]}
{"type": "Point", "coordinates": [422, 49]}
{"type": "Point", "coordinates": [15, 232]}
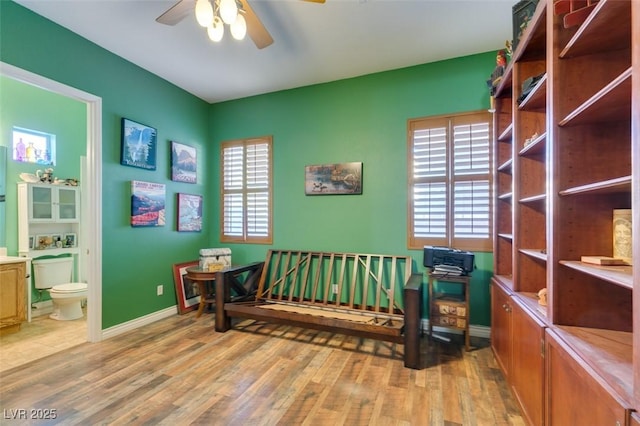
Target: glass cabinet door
{"type": "Point", "coordinates": [41, 203]}
{"type": "Point", "coordinates": [67, 204]}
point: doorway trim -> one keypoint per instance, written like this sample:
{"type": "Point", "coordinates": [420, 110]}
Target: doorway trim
{"type": "Point", "coordinates": [91, 185]}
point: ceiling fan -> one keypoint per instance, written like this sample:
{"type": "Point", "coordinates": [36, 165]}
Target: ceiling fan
{"type": "Point", "coordinates": [254, 26]}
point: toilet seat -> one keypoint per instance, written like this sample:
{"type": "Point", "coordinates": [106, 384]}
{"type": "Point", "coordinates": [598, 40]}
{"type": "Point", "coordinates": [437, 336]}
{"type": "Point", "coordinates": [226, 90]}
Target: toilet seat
{"type": "Point", "coordinates": [69, 288]}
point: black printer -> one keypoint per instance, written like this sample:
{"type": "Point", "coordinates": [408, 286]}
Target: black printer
{"type": "Point", "coordinates": [450, 258]}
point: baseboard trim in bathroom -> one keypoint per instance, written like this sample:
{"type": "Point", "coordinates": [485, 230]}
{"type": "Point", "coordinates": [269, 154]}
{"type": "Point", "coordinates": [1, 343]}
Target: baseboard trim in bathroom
{"type": "Point", "coordinates": [139, 322]}
{"type": "Point", "coordinates": [39, 309]}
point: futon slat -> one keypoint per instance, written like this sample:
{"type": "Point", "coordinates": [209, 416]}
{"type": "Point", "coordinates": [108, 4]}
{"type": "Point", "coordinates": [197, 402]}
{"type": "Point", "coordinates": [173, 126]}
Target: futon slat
{"type": "Point", "coordinates": [365, 286]}
{"type": "Point", "coordinates": [392, 289]}
{"type": "Point", "coordinates": [343, 268]}
{"type": "Point", "coordinates": [379, 287]}
{"type": "Point", "coordinates": [327, 284]}
{"type": "Point", "coordinates": [292, 283]}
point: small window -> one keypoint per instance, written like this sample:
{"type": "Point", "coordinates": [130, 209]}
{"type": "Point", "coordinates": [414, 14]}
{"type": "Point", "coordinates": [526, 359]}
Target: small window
{"type": "Point", "coordinates": [32, 146]}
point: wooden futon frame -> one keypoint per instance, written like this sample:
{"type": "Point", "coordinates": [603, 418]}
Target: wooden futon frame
{"type": "Point", "coordinates": [367, 295]}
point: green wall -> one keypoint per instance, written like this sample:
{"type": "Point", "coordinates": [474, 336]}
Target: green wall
{"type": "Point", "coordinates": [360, 119]}
{"type": "Point", "coordinates": [136, 260]}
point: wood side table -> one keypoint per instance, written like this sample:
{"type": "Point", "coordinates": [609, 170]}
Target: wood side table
{"type": "Point", "coordinates": [205, 281]}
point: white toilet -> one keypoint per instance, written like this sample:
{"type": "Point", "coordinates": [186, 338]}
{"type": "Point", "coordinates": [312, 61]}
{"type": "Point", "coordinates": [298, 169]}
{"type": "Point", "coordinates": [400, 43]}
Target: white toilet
{"type": "Point", "coordinates": [56, 275]}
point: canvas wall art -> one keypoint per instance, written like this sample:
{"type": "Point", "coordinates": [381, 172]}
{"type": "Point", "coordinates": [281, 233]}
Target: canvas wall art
{"type": "Point", "coordinates": [184, 163]}
{"type": "Point", "coordinates": [147, 204]}
{"type": "Point", "coordinates": [189, 213]}
{"type": "Point", "coordinates": [328, 179]}
{"type": "Point", "coordinates": [139, 145]}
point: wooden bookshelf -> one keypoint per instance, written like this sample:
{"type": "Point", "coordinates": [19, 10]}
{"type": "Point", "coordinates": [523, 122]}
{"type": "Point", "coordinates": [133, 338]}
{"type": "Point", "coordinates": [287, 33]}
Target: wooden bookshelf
{"type": "Point", "coordinates": [568, 153]}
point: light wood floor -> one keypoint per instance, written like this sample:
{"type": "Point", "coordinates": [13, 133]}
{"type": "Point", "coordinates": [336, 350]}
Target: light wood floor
{"type": "Point", "coordinates": [41, 337]}
{"type": "Point", "coordinates": [179, 371]}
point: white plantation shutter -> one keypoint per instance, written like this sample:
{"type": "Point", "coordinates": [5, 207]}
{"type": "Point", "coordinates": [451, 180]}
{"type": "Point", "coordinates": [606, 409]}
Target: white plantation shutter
{"type": "Point", "coordinates": [233, 206]}
{"type": "Point", "coordinates": [450, 182]}
{"type": "Point", "coordinates": [471, 216]}
{"type": "Point", "coordinates": [246, 192]}
{"type": "Point", "coordinates": [471, 196]}
{"type": "Point", "coordinates": [430, 210]}
{"type": "Point", "coordinates": [430, 152]}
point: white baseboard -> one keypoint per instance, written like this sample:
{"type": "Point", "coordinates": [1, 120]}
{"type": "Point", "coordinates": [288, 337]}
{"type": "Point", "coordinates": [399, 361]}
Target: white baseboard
{"type": "Point", "coordinates": [474, 330]}
{"type": "Point", "coordinates": [139, 322]}
{"type": "Point", "coordinates": [39, 309]}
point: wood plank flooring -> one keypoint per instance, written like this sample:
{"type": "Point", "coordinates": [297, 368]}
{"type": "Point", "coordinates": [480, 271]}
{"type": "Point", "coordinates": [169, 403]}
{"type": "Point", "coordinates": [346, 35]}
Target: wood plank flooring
{"type": "Point", "coordinates": [179, 371]}
{"type": "Point", "coordinates": [41, 337]}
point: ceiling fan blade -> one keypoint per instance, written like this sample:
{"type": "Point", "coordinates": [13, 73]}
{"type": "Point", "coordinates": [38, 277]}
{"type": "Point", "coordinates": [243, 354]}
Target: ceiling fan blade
{"type": "Point", "coordinates": [177, 12]}
{"type": "Point", "coordinates": [255, 29]}
{"type": "Point", "coordinates": [315, 1]}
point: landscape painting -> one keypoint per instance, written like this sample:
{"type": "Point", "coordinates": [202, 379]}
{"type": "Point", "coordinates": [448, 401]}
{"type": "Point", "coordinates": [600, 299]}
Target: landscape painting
{"type": "Point", "coordinates": [138, 145]}
{"type": "Point", "coordinates": [327, 179]}
{"type": "Point", "coordinates": [184, 163]}
{"type": "Point", "coordinates": [189, 213]}
{"type": "Point", "coordinates": [147, 204]}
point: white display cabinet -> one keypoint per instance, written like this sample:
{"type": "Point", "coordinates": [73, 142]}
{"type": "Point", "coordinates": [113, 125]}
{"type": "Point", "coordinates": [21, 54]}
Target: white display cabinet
{"type": "Point", "coordinates": [46, 210]}
{"type": "Point", "coordinates": [48, 223]}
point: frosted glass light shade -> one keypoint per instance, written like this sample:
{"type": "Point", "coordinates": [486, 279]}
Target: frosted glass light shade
{"type": "Point", "coordinates": [204, 13]}
{"type": "Point", "coordinates": [228, 11]}
{"type": "Point", "coordinates": [216, 30]}
{"type": "Point", "coordinates": [239, 28]}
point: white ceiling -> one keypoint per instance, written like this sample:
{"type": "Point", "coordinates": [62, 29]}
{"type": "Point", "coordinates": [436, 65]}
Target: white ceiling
{"type": "Point", "coordinates": [314, 43]}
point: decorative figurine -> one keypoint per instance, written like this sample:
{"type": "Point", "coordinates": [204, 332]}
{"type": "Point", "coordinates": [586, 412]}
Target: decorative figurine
{"type": "Point", "coordinates": [46, 176]}
{"type": "Point", "coordinates": [542, 297]}
{"type": "Point", "coordinates": [508, 49]}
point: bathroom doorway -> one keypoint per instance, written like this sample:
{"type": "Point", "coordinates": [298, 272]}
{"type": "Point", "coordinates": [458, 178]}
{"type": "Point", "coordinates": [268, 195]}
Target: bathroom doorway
{"type": "Point", "coordinates": [91, 187]}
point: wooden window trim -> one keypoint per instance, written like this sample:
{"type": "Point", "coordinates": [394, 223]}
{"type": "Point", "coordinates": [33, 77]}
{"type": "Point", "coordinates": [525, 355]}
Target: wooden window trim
{"type": "Point", "coordinates": [448, 120]}
{"type": "Point", "coordinates": [245, 238]}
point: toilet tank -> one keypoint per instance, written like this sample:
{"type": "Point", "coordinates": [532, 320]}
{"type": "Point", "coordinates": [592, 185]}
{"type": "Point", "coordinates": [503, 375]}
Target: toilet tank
{"type": "Point", "coordinates": [50, 272]}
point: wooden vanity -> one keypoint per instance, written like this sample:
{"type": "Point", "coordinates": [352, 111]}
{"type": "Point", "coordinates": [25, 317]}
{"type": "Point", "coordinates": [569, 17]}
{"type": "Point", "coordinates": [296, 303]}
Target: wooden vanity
{"type": "Point", "coordinates": [13, 300]}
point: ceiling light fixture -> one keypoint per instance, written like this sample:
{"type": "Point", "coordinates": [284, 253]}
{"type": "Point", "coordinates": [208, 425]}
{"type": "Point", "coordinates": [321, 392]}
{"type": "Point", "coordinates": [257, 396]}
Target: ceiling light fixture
{"type": "Point", "coordinates": [214, 16]}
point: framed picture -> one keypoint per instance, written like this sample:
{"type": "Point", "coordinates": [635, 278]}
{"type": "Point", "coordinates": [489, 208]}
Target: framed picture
{"type": "Point", "coordinates": [328, 179]}
{"type": "Point", "coordinates": [139, 144]}
{"type": "Point", "coordinates": [43, 242]}
{"type": "Point", "coordinates": [189, 213]}
{"type": "Point", "coordinates": [57, 240]}
{"type": "Point", "coordinates": [187, 294]}
{"type": "Point", "coordinates": [184, 163]}
{"type": "Point", "coordinates": [32, 242]}
{"type": "Point", "coordinates": [69, 240]}
{"type": "Point", "coordinates": [147, 204]}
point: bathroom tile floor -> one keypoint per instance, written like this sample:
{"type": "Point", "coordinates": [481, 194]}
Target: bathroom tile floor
{"type": "Point", "coordinates": [39, 338]}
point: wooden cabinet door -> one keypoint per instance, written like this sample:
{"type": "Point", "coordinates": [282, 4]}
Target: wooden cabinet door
{"type": "Point", "coordinates": [527, 359]}
{"type": "Point", "coordinates": [574, 393]}
{"type": "Point", "coordinates": [501, 327]}
{"type": "Point", "coordinates": [12, 295]}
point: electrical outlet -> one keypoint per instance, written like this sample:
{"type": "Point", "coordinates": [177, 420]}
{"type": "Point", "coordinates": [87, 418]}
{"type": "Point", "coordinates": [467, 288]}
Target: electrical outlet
{"type": "Point", "coordinates": [334, 288]}
{"type": "Point", "coordinates": [160, 290]}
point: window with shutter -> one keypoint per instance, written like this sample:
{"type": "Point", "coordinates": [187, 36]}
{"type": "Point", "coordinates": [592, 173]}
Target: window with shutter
{"type": "Point", "coordinates": [246, 191]}
{"type": "Point", "coordinates": [450, 181]}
